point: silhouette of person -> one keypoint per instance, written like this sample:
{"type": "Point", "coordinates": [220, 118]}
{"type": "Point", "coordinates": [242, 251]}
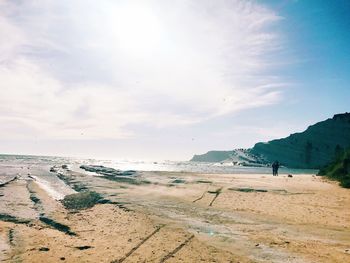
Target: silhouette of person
{"type": "Point", "coordinates": [275, 167]}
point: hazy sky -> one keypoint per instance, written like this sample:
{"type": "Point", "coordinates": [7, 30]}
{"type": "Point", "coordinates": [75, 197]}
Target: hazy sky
{"type": "Point", "coordinates": [163, 79]}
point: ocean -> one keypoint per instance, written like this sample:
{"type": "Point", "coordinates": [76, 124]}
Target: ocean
{"type": "Point", "coordinates": [139, 165]}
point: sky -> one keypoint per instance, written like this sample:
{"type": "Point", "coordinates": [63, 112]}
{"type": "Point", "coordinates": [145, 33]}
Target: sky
{"type": "Point", "coordinates": [163, 80]}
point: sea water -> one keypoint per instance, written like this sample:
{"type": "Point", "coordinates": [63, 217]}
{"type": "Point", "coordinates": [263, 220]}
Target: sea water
{"type": "Point", "coordinates": [139, 165]}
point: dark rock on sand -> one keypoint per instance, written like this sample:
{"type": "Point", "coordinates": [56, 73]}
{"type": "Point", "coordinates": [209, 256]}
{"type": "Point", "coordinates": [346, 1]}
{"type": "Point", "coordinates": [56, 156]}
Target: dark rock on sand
{"type": "Point", "coordinates": [107, 171]}
{"type": "Point", "coordinates": [128, 176]}
{"type": "Point", "coordinates": [76, 185]}
{"type": "Point", "coordinates": [56, 225]}
{"type": "Point", "coordinates": [248, 190]}
{"type": "Point", "coordinates": [13, 219]}
{"type": "Point", "coordinates": [83, 247]}
{"type": "Point", "coordinates": [178, 181]}
{"type": "Point", "coordinates": [53, 169]}
{"type": "Point", "coordinates": [9, 181]}
{"type": "Point", "coordinates": [203, 182]}
{"type": "Point", "coordinates": [11, 236]}
{"type": "Point", "coordinates": [81, 200]}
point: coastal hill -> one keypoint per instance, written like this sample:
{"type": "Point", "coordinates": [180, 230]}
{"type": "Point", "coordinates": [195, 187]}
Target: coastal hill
{"type": "Point", "coordinates": [237, 156]}
{"type": "Point", "coordinates": [317, 146]}
{"type": "Point", "coordinates": [339, 169]}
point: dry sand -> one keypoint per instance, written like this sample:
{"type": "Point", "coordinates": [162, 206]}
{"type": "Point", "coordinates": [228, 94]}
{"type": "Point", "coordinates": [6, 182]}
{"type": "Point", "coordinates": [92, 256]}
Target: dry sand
{"type": "Point", "coordinates": [203, 218]}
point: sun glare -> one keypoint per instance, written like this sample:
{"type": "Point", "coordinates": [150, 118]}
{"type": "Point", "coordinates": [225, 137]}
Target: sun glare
{"type": "Point", "coordinates": [136, 28]}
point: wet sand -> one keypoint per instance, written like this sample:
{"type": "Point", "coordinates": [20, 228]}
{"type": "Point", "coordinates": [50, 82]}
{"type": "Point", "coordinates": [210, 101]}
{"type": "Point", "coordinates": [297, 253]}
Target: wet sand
{"type": "Point", "coordinates": [180, 217]}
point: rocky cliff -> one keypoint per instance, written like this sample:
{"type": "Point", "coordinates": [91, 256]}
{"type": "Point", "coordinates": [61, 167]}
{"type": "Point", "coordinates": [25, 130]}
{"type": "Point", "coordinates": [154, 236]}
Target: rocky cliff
{"type": "Point", "coordinates": [313, 148]}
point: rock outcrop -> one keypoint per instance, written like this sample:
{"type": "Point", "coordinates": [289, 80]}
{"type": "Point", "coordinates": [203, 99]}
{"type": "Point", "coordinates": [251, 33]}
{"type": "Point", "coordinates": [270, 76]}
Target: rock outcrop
{"type": "Point", "coordinates": [236, 157]}
{"type": "Point", "coordinates": [128, 177]}
{"type": "Point", "coordinates": [107, 171]}
{"type": "Point", "coordinates": [212, 156]}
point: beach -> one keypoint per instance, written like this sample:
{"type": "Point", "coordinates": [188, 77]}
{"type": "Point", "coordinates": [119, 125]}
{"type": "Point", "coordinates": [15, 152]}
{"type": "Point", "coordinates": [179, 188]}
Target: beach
{"type": "Point", "coordinates": [165, 216]}
{"type": "Point", "coordinates": [175, 131]}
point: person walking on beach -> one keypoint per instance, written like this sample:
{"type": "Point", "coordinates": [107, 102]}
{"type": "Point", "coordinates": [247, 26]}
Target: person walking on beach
{"type": "Point", "coordinates": [275, 167]}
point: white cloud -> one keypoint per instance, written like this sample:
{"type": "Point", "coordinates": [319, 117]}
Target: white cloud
{"type": "Point", "coordinates": [41, 104]}
{"type": "Point", "coordinates": [88, 69]}
{"type": "Point", "coordinates": [11, 40]}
